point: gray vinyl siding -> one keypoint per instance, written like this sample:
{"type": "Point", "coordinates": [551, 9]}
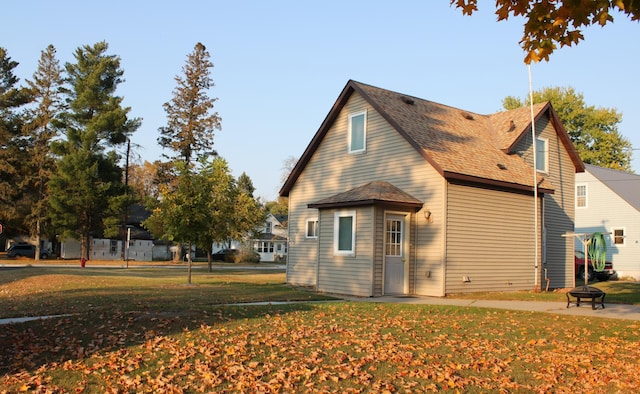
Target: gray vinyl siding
{"type": "Point", "coordinates": [559, 207]}
{"type": "Point", "coordinates": [378, 252]}
{"type": "Point", "coordinates": [332, 170]}
{"type": "Point", "coordinates": [489, 240]}
{"type": "Point", "coordinates": [346, 274]}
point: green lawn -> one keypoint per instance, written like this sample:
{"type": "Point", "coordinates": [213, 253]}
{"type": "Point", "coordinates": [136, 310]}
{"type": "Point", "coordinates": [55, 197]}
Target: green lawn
{"type": "Point", "coordinates": [146, 330]}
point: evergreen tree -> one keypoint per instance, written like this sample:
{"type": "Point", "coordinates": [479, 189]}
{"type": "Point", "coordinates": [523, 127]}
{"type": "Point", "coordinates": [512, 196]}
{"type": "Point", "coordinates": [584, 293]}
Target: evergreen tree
{"type": "Point", "coordinates": [12, 152]}
{"type": "Point", "coordinates": [594, 131]}
{"type": "Point", "coordinates": [245, 184]}
{"type": "Point", "coordinates": [190, 124]}
{"type": "Point", "coordinates": [46, 88]}
{"type": "Point", "coordinates": [88, 180]}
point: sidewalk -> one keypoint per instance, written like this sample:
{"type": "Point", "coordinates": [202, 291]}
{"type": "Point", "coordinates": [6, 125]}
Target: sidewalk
{"type": "Point", "coordinates": [611, 311]}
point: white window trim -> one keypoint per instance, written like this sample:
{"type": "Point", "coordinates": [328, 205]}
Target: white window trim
{"type": "Point", "coordinates": [336, 233]}
{"type": "Point", "coordinates": [364, 136]}
{"type": "Point", "coordinates": [545, 155]}
{"type": "Point", "coordinates": [586, 195]}
{"type": "Point", "coordinates": [306, 228]}
{"type": "Point", "coordinates": [613, 236]}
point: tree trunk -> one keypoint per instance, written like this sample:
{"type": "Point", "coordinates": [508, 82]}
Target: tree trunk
{"type": "Point", "coordinates": [37, 256]}
{"type": "Point", "coordinates": [178, 255]}
{"type": "Point", "coordinates": [84, 243]}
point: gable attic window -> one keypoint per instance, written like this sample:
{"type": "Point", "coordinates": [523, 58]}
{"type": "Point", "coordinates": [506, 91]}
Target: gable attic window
{"type": "Point", "coordinates": [358, 132]}
{"type": "Point", "coordinates": [344, 233]}
{"type": "Point", "coordinates": [542, 154]}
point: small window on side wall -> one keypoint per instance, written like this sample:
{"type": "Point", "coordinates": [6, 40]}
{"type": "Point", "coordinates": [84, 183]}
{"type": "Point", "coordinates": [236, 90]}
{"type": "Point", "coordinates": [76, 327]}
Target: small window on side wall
{"type": "Point", "coordinates": [344, 233]}
{"type": "Point", "coordinates": [358, 132]}
{"type": "Point", "coordinates": [542, 155]}
{"type": "Point", "coordinates": [618, 236]}
{"type": "Point", "coordinates": [312, 228]}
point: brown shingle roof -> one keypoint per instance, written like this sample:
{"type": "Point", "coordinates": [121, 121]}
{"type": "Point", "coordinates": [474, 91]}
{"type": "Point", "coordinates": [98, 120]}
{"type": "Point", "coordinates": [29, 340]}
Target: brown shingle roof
{"type": "Point", "coordinates": [372, 193]}
{"type": "Point", "coordinates": [458, 144]}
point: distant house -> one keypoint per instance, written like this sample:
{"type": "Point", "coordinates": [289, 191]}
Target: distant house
{"type": "Point", "coordinates": [271, 241]}
{"type": "Point", "coordinates": [399, 195]}
{"type": "Point", "coordinates": [609, 201]}
{"type": "Point", "coordinates": [140, 247]}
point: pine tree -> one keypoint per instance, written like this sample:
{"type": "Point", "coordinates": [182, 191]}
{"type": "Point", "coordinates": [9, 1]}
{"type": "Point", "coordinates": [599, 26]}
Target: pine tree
{"type": "Point", "coordinates": [12, 154]}
{"type": "Point", "coordinates": [190, 124]}
{"type": "Point", "coordinates": [88, 179]}
{"type": "Point", "coordinates": [245, 184]}
{"type": "Point", "coordinates": [46, 88]}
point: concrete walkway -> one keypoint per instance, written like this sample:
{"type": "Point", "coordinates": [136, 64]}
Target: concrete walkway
{"type": "Point", "coordinates": [611, 311]}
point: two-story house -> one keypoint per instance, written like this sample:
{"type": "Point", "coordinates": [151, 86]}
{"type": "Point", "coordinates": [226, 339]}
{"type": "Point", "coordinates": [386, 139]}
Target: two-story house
{"type": "Point", "coordinates": [608, 201]}
{"type": "Point", "coordinates": [399, 195]}
{"type": "Point", "coordinates": [271, 241]}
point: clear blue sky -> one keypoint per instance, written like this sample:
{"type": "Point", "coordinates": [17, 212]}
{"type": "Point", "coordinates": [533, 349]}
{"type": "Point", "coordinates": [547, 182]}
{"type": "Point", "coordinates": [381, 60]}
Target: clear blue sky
{"type": "Point", "coordinates": [280, 65]}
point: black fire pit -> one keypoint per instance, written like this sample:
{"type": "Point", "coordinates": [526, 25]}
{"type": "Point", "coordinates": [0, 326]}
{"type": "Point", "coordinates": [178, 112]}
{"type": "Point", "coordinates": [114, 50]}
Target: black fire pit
{"type": "Point", "coordinates": [590, 292]}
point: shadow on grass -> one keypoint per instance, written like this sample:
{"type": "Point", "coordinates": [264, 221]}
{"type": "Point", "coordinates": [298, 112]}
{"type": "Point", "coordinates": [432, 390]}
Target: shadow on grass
{"type": "Point", "coordinates": [177, 271]}
{"type": "Point", "coordinates": [30, 345]}
{"type": "Point", "coordinates": [117, 308]}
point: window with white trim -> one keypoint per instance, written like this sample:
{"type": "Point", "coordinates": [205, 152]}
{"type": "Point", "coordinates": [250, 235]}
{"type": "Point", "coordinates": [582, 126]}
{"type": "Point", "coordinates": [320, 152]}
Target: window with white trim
{"type": "Point", "coordinates": [358, 132]}
{"type": "Point", "coordinates": [312, 228]}
{"type": "Point", "coordinates": [264, 247]}
{"type": "Point", "coordinates": [617, 235]}
{"type": "Point", "coordinates": [581, 196]}
{"type": "Point", "coordinates": [542, 154]}
{"type": "Point", "coordinates": [344, 233]}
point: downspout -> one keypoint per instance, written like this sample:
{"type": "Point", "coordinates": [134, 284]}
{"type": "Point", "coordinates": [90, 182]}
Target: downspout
{"type": "Point", "coordinates": [535, 183]}
{"type": "Point", "coordinates": [415, 253]}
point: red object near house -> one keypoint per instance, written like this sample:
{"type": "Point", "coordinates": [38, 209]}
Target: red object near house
{"type": "Point", "coordinates": [601, 276]}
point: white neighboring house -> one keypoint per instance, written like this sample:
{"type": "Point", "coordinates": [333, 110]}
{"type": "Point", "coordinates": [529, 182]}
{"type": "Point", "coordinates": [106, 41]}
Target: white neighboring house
{"type": "Point", "coordinates": [271, 241]}
{"type": "Point", "coordinates": [609, 201]}
{"type": "Point", "coordinates": [109, 249]}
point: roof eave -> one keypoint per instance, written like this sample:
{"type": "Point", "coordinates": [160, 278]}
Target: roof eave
{"type": "Point", "coordinates": [560, 131]}
{"type": "Point", "coordinates": [317, 138]}
{"type": "Point", "coordinates": [497, 183]}
{"type": "Point", "coordinates": [359, 203]}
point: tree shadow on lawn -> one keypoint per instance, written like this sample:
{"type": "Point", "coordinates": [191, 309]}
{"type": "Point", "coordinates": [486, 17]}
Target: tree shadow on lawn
{"type": "Point", "coordinates": [179, 271]}
{"type": "Point", "coordinates": [31, 345]}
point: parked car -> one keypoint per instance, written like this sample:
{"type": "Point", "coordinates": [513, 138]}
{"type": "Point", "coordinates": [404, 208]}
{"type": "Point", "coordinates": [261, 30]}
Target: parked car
{"type": "Point", "coordinates": [25, 250]}
{"type": "Point", "coordinates": [227, 255]}
{"type": "Point", "coordinates": [236, 256]}
{"type": "Point", "coordinates": [601, 276]}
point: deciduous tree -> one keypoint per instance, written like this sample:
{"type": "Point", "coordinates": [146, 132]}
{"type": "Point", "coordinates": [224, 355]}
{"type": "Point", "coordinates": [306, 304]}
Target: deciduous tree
{"type": "Point", "coordinates": [594, 131]}
{"type": "Point", "coordinates": [553, 23]}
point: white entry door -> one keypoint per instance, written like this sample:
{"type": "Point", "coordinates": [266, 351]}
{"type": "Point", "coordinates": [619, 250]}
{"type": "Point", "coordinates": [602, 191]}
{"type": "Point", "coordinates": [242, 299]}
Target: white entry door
{"type": "Point", "coordinates": [394, 261]}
